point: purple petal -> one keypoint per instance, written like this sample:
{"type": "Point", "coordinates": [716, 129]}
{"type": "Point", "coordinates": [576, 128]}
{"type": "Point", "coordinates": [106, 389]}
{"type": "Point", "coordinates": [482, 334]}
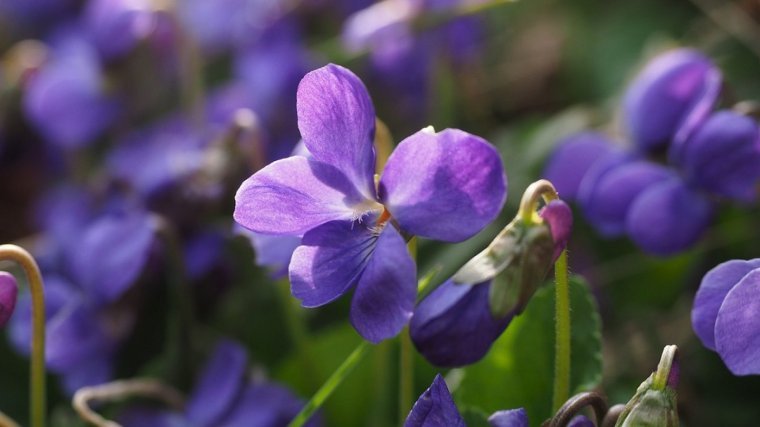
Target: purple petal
{"type": "Point", "coordinates": [384, 297]}
{"type": "Point", "coordinates": [580, 421]}
{"type": "Point", "coordinates": [435, 408]}
{"type": "Point", "coordinates": [142, 417]}
{"type": "Point", "coordinates": [445, 186]}
{"type": "Point", "coordinates": [113, 252]}
{"type": "Point", "coordinates": [220, 383]}
{"type": "Point", "coordinates": [73, 336]}
{"type": "Point", "coordinates": [509, 418]}
{"type": "Point", "coordinates": [272, 252]}
{"type": "Point", "coordinates": [116, 26]}
{"type": "Point", "coordinates": [737, 328]}
{"type": "Point", "coordinates": [712, 291]}
{"type": "Point", "coordinates": [572, 158]}
{"type": "Point", "coordinates": [203, 252]}
{"type": "Point", "coordinates": [294, 195]}
{"type": "Point", "coordinates": [58, 294]}
{"type": "Point", "coordinates": [8, 295]}
{"type": "Point", "coordinates": [615, 191]}
{"type": "Point", "coordinates": [559, 216]}
{"type": "Point", "coordinates": [337, 122]}
{"type": "Point", "coordinates": [587, 191]}
{"type": "Point", "coordinates": [268, 405]}
{"type": "Point", "coordinates": [668, 218]}
{"type": "Point", "coordinates": [723, 156]}
{"type": "Point", "coordinates": [675, 89]}
{"type": "Point", "coordinates": [453, 326]}
{"type": "Point", "coordinates": [329, 261]}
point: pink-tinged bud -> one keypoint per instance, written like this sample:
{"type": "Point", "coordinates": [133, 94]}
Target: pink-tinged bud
{"type": "Point", "coordinates": [8, 293]}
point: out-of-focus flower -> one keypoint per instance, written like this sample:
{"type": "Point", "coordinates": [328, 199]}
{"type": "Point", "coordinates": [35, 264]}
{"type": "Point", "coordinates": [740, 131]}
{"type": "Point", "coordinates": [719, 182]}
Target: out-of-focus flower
{"type": "Point", "coordinates": [435, 408]}
{"type": "Point", "coordinates": [223, 397]}
{"type": "Point", "coordinates": [66, 99]}
{"type": "Point", "coordinates": [724, 315]}
{"type": "Point", "coordinates": [116, 26]}
{"type": "Point", "coordinates": [8, 294]}
{"type": "Point", "coordinates": [671, 96]}
{"type": "Point", "coordinates": [445, 186]}
{"type": "Point", "coordinates": [85, 323]}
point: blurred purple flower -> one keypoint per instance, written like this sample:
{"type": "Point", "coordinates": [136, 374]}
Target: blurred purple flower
{"type": "Point", "coordinates": [509, 418]}
{"type": "Point", "coordinates": [724, 315]}
{"type": "Point", "coordinates": [446, 186]}
{"type": "Point", "coordinates": [222, 397]}
{"type": "Point", "coordinates": [66, 99]}
{"type": "Point", "coordinates": [435, 408]}
{"type": "Point", "coordinates": [671, 96]}
{"type": "Point", "coordinates": [723, 156]}
{"type": "Point", "coordinates": [8, 295]}
{"type": "Point", "coordinates": [116, 26]}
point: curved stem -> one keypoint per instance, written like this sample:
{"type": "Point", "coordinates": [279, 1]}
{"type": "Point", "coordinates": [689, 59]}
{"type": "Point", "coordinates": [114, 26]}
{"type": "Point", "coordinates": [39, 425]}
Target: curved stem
{"type": "Point", "coordinates": [119, 390]}
{"type": "Point", "coordinates": [529, 202]}
{"type": "Point", "coordinates": [330, 385]}
{"type": "Point", "coordinates": [576, 403]}
{"type": "Point", "coordinates": [562, 332]}
{"type": "Point", "coordinates": [37, 376]}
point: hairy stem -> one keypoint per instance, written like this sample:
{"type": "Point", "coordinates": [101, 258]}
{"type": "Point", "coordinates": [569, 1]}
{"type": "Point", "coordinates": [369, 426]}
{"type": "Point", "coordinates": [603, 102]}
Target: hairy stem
{"type": "Point", "coordinates": [562, 333]}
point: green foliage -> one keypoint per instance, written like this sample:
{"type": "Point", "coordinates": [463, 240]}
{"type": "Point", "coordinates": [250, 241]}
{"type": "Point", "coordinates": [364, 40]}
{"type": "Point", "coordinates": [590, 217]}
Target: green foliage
{"type": "Point", "coordinates": [518, 371]}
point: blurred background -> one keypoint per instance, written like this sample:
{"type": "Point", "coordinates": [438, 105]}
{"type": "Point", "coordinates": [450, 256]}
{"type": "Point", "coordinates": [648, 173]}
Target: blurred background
{"type": "Point", "coordinates": [116, 108]}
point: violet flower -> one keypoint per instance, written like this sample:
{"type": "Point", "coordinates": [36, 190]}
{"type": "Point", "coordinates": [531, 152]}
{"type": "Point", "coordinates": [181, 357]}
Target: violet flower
{"type": "Point", "coordinates": [116, 26]}
{"type": "Point", "coordinates": [222, 397]}
{"type": "Point", "coordinates": [455, 326]}
{"type": "Point", "coordinates": [8, 295]}
{"type": "Point", "coordinates": [66, 100]}
{"type": "Point", "coordinates": [724, 315]}
{"type": "Point", "coordinates": [446, 186]}
{"type": "Point", "coordinates": [672, 95]}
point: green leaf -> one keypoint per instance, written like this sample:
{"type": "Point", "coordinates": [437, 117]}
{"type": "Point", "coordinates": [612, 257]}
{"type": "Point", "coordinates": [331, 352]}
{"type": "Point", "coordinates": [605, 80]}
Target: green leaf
{"type": "Point", "coordinates": [474, 417]}
{"type": "Point", "coordinates": [519, 369]}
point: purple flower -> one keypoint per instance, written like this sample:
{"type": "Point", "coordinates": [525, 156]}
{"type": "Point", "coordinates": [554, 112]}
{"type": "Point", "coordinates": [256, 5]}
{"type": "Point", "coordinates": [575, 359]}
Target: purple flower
{"type": "Point", "coordinates": [66, 100]}
{"type": "Point", "coordinates": [8, 294]}
{"type": "Point", "coordinates": [573, 157]}
{"type": "Point", "coordinates": [723, 156]}
{"type": "Point", "coordinates": [222, 397]}
{"type": "Point", "coordinates": [446, 186]}
{"type": "Point", "coordinates": [559, 217]}
{"type": "Point", "coordinates": [670, 97]}
{"type": "Point", "coordinates": [724, 315]}
{"type": "Point", "coordinates": [509, 418]}
{"type": "Point", "coordinates": [435, 408]}
{"type": "Point", "coordinates": [116, 26]}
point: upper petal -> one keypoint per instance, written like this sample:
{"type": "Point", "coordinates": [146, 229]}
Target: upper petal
{"type": "Point", "coordinates": [668, 218]}
{"type": "Point", "coordinates": [384, 298]}
{"type": "Point", "coordinates": [329, 261]}
{"type": "Point", "coordinates": [337, 122]}
{"type": "Point", "coordinates": [712, 291]}
{"type": "Point", "coordinates": [445, 186]}
{"type": "Point", "coordinates": [293, 195]}
{"type": "Point", "coordinates": [220, 383]}
{"type": "Point", "coordinates": [509, 418]}
{"type": "Point", "coordinates": [435, 408]}
{"type": "Point", "coordinates": [737, 329]}
{"type": "Point", "coordinates": [264, 405]}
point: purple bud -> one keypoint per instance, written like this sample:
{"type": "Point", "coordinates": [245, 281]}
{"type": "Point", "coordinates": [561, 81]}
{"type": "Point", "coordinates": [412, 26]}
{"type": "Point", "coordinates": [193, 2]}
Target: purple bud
{"type": "Point", "coordinates": [572, 158]}
{"type": "Point", "coordinates": [670, 97]}
{"type": "Point", "coordinates": [509, 418]}
{"type": "Point", "coordinates": [453, 326]}
{"type": "Point", "coordinates": [116, 26]}
{"type": "Point", "coordinates": [723, 156]}
{"type": "Point", "coordinates": [8, 294]}
{"type": "Point", "coordinates": [560, 219]}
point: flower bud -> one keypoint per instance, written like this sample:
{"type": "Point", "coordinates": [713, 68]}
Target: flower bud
{"type": "Point", "coordinates": [654, 403]}
{"type": "Point", "coordinates": [8, 293]}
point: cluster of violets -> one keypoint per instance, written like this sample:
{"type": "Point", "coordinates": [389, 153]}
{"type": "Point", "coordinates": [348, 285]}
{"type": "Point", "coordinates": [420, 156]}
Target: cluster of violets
{"type": "Point", "coordinates": [320, 207]}
{"type": "Point", "coordinates": [687, 153]}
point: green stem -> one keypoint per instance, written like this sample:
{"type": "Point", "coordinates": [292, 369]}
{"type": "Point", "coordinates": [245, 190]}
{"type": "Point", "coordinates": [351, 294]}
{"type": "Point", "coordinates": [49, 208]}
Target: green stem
{"type": "Point", "coordinates": [330, 385]}
{"type": "Point", "coordinates": [37, 375]}
{"type": "Point", "coordinates": [562, 333]}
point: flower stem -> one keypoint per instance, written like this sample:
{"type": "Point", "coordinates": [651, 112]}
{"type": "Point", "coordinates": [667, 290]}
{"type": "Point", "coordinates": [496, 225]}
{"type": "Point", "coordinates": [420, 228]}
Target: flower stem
{"type": "Point", "coordinates": [330, 385]}
{"type": "Point", "coordinates": [562, 333]}
{"type": "Point", "coordinates": [37, 377]}
{"type": "Point", "coordinates": [529, 201]}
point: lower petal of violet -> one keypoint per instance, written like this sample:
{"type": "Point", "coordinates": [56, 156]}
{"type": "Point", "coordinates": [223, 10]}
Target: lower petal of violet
{"type": "Point", "coordinates": [329, 261]}
{"type": "Point", "coordinates": [265, 405]}
{"type": "Point", "coordinates": [385, 294]}
{"type": "Point", "coordinates": [737, 328]}
{"type": "Point", "coordinates": [435, 408]}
